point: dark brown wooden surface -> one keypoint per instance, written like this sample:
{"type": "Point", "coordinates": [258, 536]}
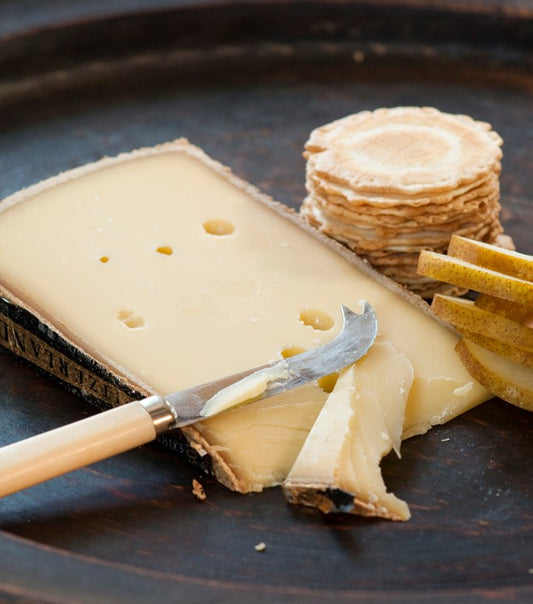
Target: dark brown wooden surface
{"type": "Point", "coordinates": [247, 82]}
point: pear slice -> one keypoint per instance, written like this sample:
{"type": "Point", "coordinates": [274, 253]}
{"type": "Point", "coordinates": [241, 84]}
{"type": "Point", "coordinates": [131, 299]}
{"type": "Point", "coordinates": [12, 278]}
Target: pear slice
{"type": "Point", "coordinates": [510, 310]}
{"type": "Point", "coordinates": [504, 378]}
{"type": "Point", "coordinates": [481, 279]}
{"type": "Point", "coordinates": [465, 316]}
{"type": "Point", "coordinates": [517, 354]}
{"type": "Point", "coordinates": [338, 467]}
{"type": "Point", "coordinates": [491, 256]}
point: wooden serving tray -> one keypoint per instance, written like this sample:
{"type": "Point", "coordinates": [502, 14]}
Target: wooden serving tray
{"type": "Point", "coordinates": [247, 82]}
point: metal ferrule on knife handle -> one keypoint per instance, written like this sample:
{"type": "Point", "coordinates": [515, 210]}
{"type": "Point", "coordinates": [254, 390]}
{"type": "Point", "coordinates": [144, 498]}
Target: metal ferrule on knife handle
{"type": "Point", "coordinates": [161, 412]}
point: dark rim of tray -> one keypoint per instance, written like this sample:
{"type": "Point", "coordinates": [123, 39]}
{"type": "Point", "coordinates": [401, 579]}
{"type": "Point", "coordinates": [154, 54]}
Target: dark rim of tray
{"type": "Point", "coordinates": [132, 49]}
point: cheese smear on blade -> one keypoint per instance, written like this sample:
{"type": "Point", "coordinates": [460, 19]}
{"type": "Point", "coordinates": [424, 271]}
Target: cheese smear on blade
{"type": "Point", "coordinates": [172, 272]}
{"type": "Point", "coordinates": [246, 389]}
{"type": "Point", "coordinates": [359, 424]}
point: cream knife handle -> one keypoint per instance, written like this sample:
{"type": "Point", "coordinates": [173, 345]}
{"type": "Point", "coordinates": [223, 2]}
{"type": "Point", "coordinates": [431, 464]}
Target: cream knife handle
{"type": "Point", "coordinates": [39, 458]}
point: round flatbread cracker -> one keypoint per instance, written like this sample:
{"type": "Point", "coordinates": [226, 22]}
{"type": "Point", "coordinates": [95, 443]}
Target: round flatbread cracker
{"type": "Point", "coordinates": [408, 150]}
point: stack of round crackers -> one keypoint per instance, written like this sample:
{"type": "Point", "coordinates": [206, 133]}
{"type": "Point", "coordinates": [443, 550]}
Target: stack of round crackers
{"type": "Point", "coordinates": [391, 182]}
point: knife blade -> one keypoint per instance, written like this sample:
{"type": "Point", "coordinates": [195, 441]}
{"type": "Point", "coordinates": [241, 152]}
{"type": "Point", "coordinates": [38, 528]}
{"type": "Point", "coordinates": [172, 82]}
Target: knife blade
{"type": "Point", "coordinates": [357, 334]}
{"type": "Point", "coordinates": [45, 456]}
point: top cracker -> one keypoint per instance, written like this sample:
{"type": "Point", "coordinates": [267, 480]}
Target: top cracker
{"type": "Point", "coordinates": [404, 150]}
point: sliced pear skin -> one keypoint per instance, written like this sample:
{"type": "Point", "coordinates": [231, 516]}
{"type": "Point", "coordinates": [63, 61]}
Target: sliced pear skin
{"type": "Point", "coordinates": [504, 378]}
{"type": "Point", "coordinates": [517, 354]}
{"type": "Point", "coordinates": [465, 274]}
{"type": "Point", "coordinates": [466, 317]}
{"type": "Point", "coordinates": [510, 310]}
{"type": "Point", "coordinates": [338, 468]}
{"type": "Point", "coordinates": [514, 264]}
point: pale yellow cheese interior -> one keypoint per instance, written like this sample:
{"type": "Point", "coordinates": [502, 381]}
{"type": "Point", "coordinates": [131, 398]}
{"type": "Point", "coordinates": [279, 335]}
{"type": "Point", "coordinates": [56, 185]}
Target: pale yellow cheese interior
{"type": "Point", "coordinates": [163, 268]}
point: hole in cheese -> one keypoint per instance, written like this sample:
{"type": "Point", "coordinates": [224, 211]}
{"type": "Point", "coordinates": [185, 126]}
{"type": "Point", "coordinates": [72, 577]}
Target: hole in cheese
{"type": "Point", "coordinates": [317, 319]}
{"type": "Point", "coordinates": [131, 319]}
{"type": "Point", "coordinates": [327, 383]}
{"type": "Point", "coordinates": [218, 227]}
{"type": "Point", "coordinates": [166, 250]}
{"type": "Point", "coordinates": [291, 351]}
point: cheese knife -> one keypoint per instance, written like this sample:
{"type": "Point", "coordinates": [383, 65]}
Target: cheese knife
{"type": "Point", "coordinates": [44, 456]}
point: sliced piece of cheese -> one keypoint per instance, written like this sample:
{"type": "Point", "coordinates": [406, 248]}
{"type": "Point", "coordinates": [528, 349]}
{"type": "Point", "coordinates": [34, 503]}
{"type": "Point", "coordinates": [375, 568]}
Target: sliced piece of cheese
{"type": "Point", "coordinates": [260, 442]}
{"type": "Point", "coordinates": [338, 467]}
{"type": "Point", "coordinates": [172, 272]}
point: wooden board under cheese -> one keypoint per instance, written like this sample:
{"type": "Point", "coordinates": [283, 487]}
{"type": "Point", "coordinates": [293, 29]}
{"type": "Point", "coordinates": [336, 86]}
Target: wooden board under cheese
{"type": "Point", "coordinates": [159, 269]}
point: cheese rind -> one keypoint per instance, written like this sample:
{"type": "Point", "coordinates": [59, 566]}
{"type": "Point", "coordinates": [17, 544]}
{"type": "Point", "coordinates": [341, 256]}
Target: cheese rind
{"type": "Point", "coordinates": [237, 273]}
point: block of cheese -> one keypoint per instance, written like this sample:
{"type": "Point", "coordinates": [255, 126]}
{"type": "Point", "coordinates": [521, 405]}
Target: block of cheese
{"type": "Point", "coordinates": [338, 467]}
{"type": "Point", "coordinates": [167, 271]}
